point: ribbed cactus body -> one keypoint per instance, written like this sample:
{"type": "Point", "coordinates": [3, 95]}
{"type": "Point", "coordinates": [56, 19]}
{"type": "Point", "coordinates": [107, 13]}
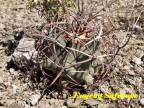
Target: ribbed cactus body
{"type": "Point", "coordinates": [65, 57]}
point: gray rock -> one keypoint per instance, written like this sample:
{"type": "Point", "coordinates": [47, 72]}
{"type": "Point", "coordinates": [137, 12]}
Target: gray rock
{"type": "Point", "coordinates": [24, 52]}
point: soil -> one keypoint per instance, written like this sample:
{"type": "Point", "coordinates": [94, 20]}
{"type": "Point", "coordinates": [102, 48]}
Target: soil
{"type": "Point", "coordinates": [126, 76]}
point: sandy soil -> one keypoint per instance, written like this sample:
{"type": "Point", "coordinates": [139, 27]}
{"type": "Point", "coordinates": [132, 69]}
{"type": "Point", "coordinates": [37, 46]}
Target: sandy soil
{"type": "Point", "coordinates": [126, 77]}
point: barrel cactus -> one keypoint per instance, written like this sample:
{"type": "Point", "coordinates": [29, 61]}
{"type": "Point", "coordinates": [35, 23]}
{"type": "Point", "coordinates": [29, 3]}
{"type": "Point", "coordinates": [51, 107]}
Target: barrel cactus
{"type": "Point", "coordinates": [70, 44]}
{"type": "Point", "coordinates": [75, 54]}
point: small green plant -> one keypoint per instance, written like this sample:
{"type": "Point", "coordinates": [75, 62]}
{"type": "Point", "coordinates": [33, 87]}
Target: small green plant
{"type": "Point", "coordinates": [50, 8]}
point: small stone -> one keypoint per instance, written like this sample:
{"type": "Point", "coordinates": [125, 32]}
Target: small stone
{"type": "Point", "coordinates": [92, 102]}
{"type": "Point", "coordinates": [1, 47]}
{"type": "Point", "coordinates": [45, 31]}
{"type": "Point", "coordinates": [104, 89]}
{"type": "Point", "coordinates": [56, 102]}
{"type": "Point", "coordinates": [0, 65]}
{"type": "Point", "coordinates": [137, 29]}
{"type": "Point", "coordinates": [139, 80]}
{"type": "Point", "coordinates": [74, 103]}
{"type": "Point", "coordinates": [138, 69]}
{"type": "Point", "coordinates": [11, 70]}
{"type": "Point", "coordinates": [138, 61]}
{"type": "Point", "coordinates": [55, 95]}
{"type": "Point", "coordinates": [128, 90]}
{"type": "Point", "coordinates": [3, 65]}
{"type": "Point", "coordinates": [15, 88]}
{"type": "Point", "coordinates": [2, 93]}
{"type": "Point", "coordinates": [131, 72]}
{"type": "Point", "coordinates": [24, 51]}
{"type": "Point", "coordinates": [10, 102]}
{"type": "Point", "coordinates": [7, 83]}
{"type": "Point", "coordinates": [122, 91]}
{"type": "Point", "coordinates": [2, 26]}
{"type": "Point", "coordinates": [27, 106]}
{"type": "Point", "coordinates": [131, 81]}
{"type": "Point", "coordinates": [52, 101]}
{"type": "Point", "coordinates": [128, 69]}
{"type": "Point", "coordinates": [34, 99]}
{"type": "Point", "coordinates": [142, 101]}
{"type": "Point", "coordinates": [64, 107]}
{"type": "Point", "coordinates": [103, 105]}
{"type": "Point", "coordinates": [1, 80]}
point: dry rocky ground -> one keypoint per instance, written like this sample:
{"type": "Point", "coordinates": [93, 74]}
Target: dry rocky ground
{"type": "Point", "coordinates": [126, 77]}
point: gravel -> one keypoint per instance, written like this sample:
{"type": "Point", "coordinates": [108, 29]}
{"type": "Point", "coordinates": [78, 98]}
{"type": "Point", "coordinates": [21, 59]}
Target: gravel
{"type": "Point", "coordinates": [126, 75]}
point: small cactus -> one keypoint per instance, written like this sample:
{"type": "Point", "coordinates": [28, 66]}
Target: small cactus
{"type": "Point", "coordinates": [65, 58]}
{"type": "Point", "coordinates": [73, 40]}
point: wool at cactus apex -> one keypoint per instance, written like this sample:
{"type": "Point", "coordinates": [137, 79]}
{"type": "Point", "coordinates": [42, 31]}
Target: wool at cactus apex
{"type": "Point", "coordinates": [99, 96]}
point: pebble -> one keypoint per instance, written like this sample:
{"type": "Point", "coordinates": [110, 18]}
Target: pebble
{"type": "Point", "coordinates": [128, 90]}
{"type": "Point", "coordinates": [15, 88]}
{"type": "Point", "coordinates": [64, 107]}
{"type": "Point", "coordinates": [27, 106]}
{"type": "Point", "coordinates": [137, 29]}
{"type": "Point", "coordinates": [138, 61]}
{"type": "Point", "coordinates": [122, 91]}
{"type": "Point", "coordinates": [34, 99]}
{"type": "Point", "coordinates": [128, 69]}
{"type": "Point", "coordinates": [1, 47]}
{"type": "Point", "coordinates": [11, 70]}
{"type": "Point", "coordinates": [104, 88]}
{"type": "Point", "coordinates": [3, 65]}
{"type": "Point", "coordinates": [142, 101]}
{"type": "Point", "coordinates": [52, 101]}
{"type": "Point", "coordinates": [92, 102]}
{"type": "Point", "coordinates": [71, 103]}
{"type": "Point", "coordinates": [10, 102]}
{"type": "Point", "coordinates": [103, 106]}
{"type": "Point", "coordinates": [1, 80]}
{"type": "Point", "coordinates": [55, 95]}
{"type": "Point", "coordinates": [56, 102]}
{"type": "Point", "coordinates": [2, 26]}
